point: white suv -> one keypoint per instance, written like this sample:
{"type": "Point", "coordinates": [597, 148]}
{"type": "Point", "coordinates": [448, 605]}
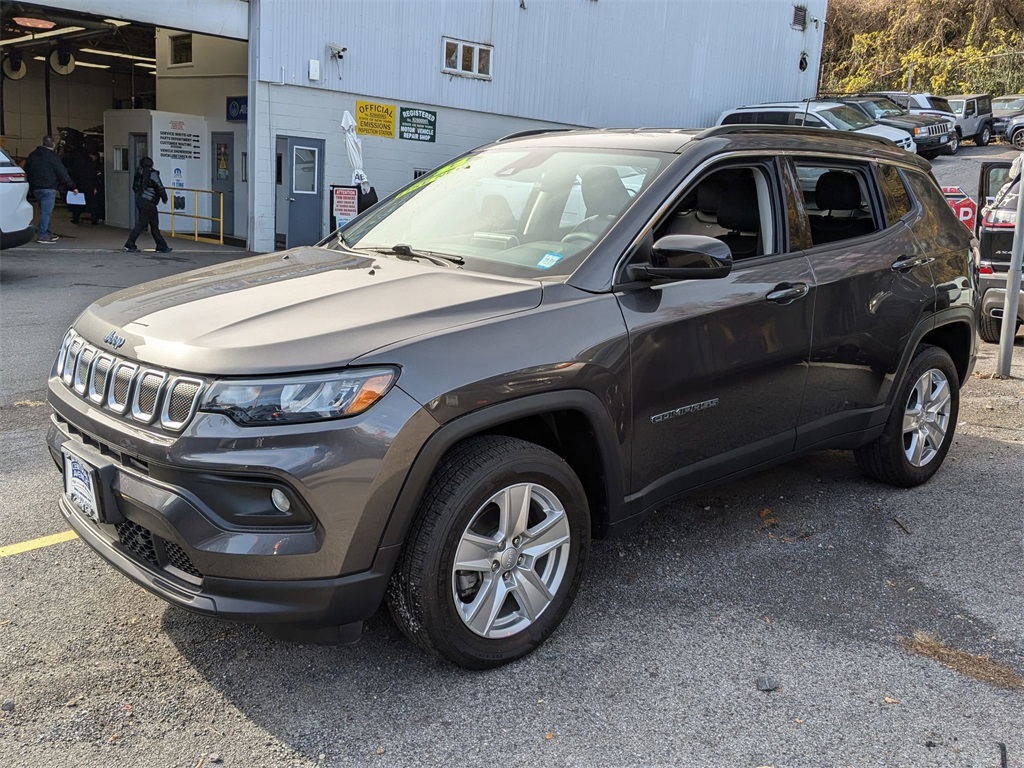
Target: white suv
{"type": "Point", "coordinates": [829, 115]}
{"type": "Point", "coordinates": [15, 211]}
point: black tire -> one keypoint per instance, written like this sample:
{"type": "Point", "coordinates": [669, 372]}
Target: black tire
{"type": "Point", "coordinates": [426, 593]}
{"type": "Point", "coordinates": [983, 138]}
{"type": "Point", "coordinates": [989, 328]}
{"type": "Point", "coordinates": [1017, 139]}
{"type": "Point", "coordinates": [930, 154]}
{"type": "Point", "coordinates": [954, 143]}
{"type": "Point", "coordinates": [885, 459]}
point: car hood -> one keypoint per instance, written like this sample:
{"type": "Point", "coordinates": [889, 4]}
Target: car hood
{"type": "Point", "coordinates": [299, 310]}
{"type": "Point", "coordinates": [909, 121]}
{"type": "Point", "coordinates": [1008, 112]}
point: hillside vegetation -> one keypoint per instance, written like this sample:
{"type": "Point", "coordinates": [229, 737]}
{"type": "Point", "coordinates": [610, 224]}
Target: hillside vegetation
{"type": "Point", "coordinates": [952, 46]}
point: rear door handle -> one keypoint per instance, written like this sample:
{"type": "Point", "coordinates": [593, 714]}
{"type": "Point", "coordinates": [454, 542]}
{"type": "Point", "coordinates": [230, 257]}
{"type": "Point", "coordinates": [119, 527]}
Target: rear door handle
{"type": "Point", "coordinates": [785, 293]}
{"type": "Point", "coordinates": [904, 263]}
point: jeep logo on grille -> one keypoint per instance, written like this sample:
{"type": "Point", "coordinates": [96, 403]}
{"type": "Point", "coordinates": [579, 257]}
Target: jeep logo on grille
{"type": "Point", "coordinates": [114, 340]}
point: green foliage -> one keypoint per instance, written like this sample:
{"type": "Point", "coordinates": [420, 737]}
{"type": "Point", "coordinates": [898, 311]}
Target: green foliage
{"type": "Point", "coordinates": [949, 46]}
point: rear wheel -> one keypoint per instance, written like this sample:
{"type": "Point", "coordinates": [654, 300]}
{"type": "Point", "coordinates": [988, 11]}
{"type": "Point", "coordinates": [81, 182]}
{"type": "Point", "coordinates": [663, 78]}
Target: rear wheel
{"type": "Point", "coordinates": [496, 555]}
{"type": "Point", "coordinates": [920, 427]}
{"type": "Point", "coordinates": [1018, 139]}
{"type": "Point", "coordinates": [991, 328]}
{"type": "Point", "coordinates": [983, 138]}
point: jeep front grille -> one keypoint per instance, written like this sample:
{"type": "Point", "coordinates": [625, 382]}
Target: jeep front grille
{"type": "Point", "coordinates": [147, 395]}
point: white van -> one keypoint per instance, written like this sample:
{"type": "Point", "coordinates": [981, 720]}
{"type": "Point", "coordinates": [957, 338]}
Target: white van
{"type": "Point", "coordinates": [829, 115]}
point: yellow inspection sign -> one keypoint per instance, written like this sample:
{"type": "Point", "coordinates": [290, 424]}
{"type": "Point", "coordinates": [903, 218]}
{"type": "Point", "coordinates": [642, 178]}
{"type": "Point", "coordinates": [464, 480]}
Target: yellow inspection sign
{"type": "Point", "coordinates": [374, 119]}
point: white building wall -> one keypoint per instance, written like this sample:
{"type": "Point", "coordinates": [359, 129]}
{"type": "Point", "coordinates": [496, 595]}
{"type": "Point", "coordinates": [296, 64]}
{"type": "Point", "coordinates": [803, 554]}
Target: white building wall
{"type": "Point", "coordinates": [220, 71]}
{"type": "Point", "coordinates": [389, 163]}
{"type": "Point", "coordinates": [606, 62]}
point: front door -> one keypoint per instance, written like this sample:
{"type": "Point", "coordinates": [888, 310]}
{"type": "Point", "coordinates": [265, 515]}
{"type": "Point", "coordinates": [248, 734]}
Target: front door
{"type": "Point", "coordinates": [301, 210]}
{"type": "Point", "coordinates": [719, 365]}
{"type": "Point", "coordinates": [138, 148]}
{"type": "Point", "coordinates": [223, 176]}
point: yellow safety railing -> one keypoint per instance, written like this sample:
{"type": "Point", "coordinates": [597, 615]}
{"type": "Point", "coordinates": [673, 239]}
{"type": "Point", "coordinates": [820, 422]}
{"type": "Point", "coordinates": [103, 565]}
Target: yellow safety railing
{"type": "Point", "coordinates": [218, 200]}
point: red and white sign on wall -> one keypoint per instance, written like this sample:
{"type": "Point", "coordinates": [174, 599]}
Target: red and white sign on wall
{"type": "Point", "coordinates": [963, 205]}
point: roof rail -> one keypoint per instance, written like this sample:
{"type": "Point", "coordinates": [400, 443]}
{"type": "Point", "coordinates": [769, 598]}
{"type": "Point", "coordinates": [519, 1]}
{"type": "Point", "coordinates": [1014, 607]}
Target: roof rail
{"type": "Point", "coordinates": [532, 132]}
{"type": "Point", "coordinates": [755, 128]}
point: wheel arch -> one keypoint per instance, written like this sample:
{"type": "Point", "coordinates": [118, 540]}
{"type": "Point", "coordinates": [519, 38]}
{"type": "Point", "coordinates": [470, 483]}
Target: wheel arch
{"type": "Point", "coordinates": [956, 336]}
{"type": "Point", "coordinates": [572, 424]}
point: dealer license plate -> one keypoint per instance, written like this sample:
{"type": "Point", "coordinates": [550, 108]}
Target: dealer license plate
{"type": "Point", "coordinates": [80, 484]}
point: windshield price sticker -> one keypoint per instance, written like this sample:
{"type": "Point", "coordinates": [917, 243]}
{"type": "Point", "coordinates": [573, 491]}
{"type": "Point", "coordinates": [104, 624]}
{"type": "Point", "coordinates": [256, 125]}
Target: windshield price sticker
{"type": "Point", "coordinates": [548, 260]}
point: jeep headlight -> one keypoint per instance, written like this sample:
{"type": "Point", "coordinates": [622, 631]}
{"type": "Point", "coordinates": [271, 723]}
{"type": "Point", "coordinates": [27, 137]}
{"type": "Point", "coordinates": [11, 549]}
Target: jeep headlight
{"type": "Point", "coordinates": [295, 399]}
{"type": "Point", "coordinates": [918, 131]}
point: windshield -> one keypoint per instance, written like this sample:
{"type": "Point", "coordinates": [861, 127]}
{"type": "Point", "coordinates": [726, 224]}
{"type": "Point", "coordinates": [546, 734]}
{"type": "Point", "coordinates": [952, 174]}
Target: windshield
{"type": "Point", "coordinates": [845, 118]}
{"type": "Point", "coordinates": [956, 105]}
{"type": "Point", "coordinates": [521, 212]}
{"type": "Point", "coordinates": [1008, 103]}
{"type": "Point", "coordinates": [879, 108]}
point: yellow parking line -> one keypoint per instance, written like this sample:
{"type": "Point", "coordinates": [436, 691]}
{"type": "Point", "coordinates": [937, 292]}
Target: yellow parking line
{"type": "Point", "coordinates": [45, 541]}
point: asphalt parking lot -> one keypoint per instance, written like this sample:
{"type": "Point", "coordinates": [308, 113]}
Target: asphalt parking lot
{"type": "Point", "coordinates": [809, 575]}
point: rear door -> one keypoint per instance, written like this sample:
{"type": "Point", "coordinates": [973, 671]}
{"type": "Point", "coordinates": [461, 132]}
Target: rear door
{"type": "Point", "coordinates": [873, 285]}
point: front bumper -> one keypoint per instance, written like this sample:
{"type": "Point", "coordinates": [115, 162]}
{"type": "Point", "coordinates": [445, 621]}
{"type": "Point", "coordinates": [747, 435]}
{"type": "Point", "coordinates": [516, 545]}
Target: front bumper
{"type": "Point", "coordinates": [925, 143]}
{"type": "Point", "coordinates": [161, 528]}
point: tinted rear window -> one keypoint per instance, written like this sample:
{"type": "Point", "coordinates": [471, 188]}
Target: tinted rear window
{"type": "Point", "coordinates": [897, 199]}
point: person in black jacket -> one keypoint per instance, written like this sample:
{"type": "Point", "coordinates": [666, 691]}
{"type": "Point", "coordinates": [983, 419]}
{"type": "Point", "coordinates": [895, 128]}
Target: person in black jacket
{"type": "Point", "coordinates": [45, 173]}
{"type": "Point", "coordinates": [83, 170]}
{"type": "Point", "coordinates": [148, 190]}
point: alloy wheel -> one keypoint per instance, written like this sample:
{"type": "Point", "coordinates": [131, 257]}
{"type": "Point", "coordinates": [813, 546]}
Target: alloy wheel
{"type": "Point", "coordinates": [510, 560]}
{"type": "Point", "coordinates": [926, 417]}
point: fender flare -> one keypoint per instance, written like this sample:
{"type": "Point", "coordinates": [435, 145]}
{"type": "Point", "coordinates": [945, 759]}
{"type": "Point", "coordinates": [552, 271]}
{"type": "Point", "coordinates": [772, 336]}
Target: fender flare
{"type": "Point", "coordinates": [966, 315]}
{"type": "Point", "coordinates": [407, 504]}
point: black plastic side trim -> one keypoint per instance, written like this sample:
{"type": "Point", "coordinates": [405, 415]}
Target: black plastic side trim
{"type": "Point", "coordinates": [474, 423]}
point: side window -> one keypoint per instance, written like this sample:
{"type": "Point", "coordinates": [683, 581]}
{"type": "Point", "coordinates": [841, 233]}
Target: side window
{"type": "Point", "coordinates": [985, 105]}
{"type": "Point", "coordinates": [972, 108]}
{"type": "Point", "coordinates": [809, 120]}
{"type": "Point", "coordinates": [897, 199]}
{"type": "Point", "coordinates": [733, 204]}
{"type": "Point", "coordinates": [738, 118]}
{"type": "Point", "coordinates": [774, 118]}
{"type": "Point", "coordinates": [837, 200]}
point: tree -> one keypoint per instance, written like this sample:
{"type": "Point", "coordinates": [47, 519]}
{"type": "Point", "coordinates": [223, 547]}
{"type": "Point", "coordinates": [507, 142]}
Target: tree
{"type": "Point", "coordinates": [945, 46]}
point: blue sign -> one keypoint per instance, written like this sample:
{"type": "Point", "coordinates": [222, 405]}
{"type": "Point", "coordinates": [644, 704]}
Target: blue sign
{"type": "Point", "coordinates": [238, 108]}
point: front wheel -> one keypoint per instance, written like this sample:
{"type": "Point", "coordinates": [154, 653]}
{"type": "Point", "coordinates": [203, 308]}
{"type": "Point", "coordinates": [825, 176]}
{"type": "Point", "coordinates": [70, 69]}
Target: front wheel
{"type": "Point", "coordinates": [495, 557]}
{"type": "Point", "coordinates": [983, 138]}
{"type": "Point", "coordinates": [1017, 139]}
{"type": "Point", "coordinates": [920, 427]}
{"type": "Point", "coordinates": [954, 143]}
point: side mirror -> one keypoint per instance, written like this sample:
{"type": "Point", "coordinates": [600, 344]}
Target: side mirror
{"type": "Point", "coordinates": [684, 257]}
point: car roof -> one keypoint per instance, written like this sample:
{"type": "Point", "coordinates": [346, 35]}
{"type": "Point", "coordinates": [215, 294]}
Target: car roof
{"type": "Point", "coordinates": [740, 137]}
{"type": "Point", "coordinates": [967, 96]}
{"type": "Point", "coordinates": [1009, 96]}
{"type": "Point", "coordinates": [824, 103]}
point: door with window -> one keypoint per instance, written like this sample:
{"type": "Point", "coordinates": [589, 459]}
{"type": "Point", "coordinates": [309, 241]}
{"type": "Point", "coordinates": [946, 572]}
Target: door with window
{"type": "Point", "coordinates": [223, 175]}
{"type": "Point", "coordinates": [719, 365]}
{"type": "Point", "coordinates": [301, 190]}
{"type": "Point", "coordinates": [873, 283]}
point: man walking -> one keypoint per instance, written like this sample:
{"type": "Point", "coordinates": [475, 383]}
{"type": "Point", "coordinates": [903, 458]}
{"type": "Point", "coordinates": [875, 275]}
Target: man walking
{"type": "Point", "coordinates": [45, 173]}
{"type": "Point", "coordinates": [148, 189]}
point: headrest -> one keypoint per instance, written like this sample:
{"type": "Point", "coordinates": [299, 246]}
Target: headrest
{"type": "Point", "coordinates": [737, 211]}
{"type": "Point", "coordinates": [837, 190]}
{"type": "Point", "coordinates": [709, 195]}
{"type": "Point", "coordinates": [603, 191]}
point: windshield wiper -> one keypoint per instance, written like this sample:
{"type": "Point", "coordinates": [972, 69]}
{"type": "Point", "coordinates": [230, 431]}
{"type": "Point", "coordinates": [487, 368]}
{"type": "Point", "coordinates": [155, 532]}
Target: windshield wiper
{"type": "Point", "coordinates": [406, 253]}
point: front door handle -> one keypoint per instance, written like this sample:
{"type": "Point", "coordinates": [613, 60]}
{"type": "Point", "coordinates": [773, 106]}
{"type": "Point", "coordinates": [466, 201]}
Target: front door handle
{"type": "Point", "coordinates": [291, 199]}
{"type": "Point", "coordinates": [785, 293]}
{"type": "Point", "coordinates": [905, 263]}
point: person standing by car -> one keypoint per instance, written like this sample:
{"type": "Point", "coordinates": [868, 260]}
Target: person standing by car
{"type": "Point", "coordinates": [45, 174]}
{"type": "Point", "coordinates": [148, 189]}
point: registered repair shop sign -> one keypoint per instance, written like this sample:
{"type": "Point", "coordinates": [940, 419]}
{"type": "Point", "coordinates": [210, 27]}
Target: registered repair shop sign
{"type": "Point", "coordinates": [373, 119]}
{"type": "Point", "coordinates": [417, 124]}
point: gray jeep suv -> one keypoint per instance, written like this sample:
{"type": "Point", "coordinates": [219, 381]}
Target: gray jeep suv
{"type": "Point", "coordinates": [536, 344]}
